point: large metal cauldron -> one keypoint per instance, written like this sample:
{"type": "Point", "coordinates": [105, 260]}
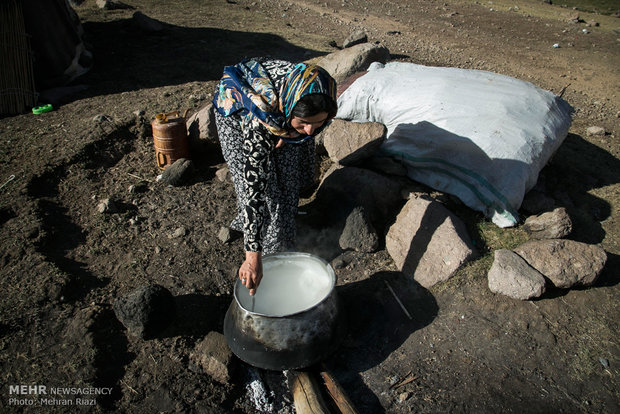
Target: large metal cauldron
{"type": "Point", "coordinates": [293, 321]}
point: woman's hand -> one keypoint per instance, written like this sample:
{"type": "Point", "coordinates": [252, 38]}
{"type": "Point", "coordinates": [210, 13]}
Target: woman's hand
{"type": "Point", "coordinates": [251, 271]}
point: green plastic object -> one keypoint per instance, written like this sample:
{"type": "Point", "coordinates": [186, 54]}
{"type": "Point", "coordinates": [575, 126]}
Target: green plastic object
{"type": "Point", "coordinates": [42, 109]}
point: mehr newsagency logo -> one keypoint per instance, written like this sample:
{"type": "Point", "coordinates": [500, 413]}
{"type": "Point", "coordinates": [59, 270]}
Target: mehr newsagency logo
{"type": "Point", "coordinates": [43, 395]}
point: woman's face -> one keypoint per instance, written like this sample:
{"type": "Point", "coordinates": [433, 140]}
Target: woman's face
{"type": "Point", "coordinates": [307, 125]}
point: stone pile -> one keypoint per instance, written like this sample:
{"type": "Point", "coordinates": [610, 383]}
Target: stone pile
{"type": "Point", "coordinates": [425, 240]}
{"type": "Point", "coordinates": [546, 260]}
{"type": "Point", "coordinates": [367, 195]}
{"type": "Point", "coordinates": [526, 272]}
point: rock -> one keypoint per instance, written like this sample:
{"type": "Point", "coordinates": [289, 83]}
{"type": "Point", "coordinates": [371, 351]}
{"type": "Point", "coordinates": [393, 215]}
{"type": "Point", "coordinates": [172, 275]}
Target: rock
{"type": "Point", "coordinates": [178, 173]}
{"type": "Point", "coordinates": [355, 38]}
{"type": "Point", "coordinates": [228, 235]}
{"type": "Point", "coordinates": [179, 232]}
{"type": "Point", "coordinates": [358, 233]}
{"type": "Point", "coordinates": [201, 126]}
{"type": "Point", "coordinates": [510, 275]}
{"type": "Point", "coordinates": [346, 62]}
{"type": "Point", "coordinates": [198, 97]}
{"type": "Point", "coordinates": [595, 131]}
{"type": "Point", "coordinates": [552, 225]}
{"type": "Point", "coordinates": [146, 311]}
{"type": "Point", "coordinates": [213, 356]}
{"type": "Point", "coordinates": [146, 23]}
{"type": "Point", "coordinates": [343, 260]}
{"type": "Point", "coordinates": [349, 143]}
{"type": "Point", "coordinates": [107, 206]}
{"type": "Point", "coordinates": [428, 242]}
{"type": "Point", "coordinates": [112, 5]}
{"type": "Point", "coordinates": [224, 234]}
{"type": "Point", "coordinates": [344, 188]}
{"type": "Point", "coordinates": [338, 263]}
{"type": "Point", "coordinates": [223, 174]}
{"type": "Point", "coordinates": [101, 118]}
{"type": "Point", "coordinates": [566, 263]}
{"type": "Point", "coordinates": [536, 202]}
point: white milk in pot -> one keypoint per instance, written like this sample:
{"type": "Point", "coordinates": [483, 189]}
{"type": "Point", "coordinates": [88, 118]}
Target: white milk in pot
{"type": "Point", "coordinates": [290, 284]}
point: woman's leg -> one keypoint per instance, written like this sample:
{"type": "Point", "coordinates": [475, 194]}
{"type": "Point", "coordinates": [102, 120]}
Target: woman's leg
{"type": "Point", "coordinates": [293, 164]}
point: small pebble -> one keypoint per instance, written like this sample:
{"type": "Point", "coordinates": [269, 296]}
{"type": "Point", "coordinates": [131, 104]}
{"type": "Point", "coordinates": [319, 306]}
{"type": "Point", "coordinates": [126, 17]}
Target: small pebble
{"type": "Point", "coordinates": [180, 232]}
{"type": "Point", "coordinates": [224, 235]}
{"type": "Point", "coordinates": [595, 130]}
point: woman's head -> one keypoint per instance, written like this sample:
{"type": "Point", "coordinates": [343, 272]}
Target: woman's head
{"type": "Point", "coordinates": [307, 91]}
{"type": "Point", "coordinates": [313, 104]}
{"type": "Point", "coordinates": [248, 88]}
{"type": "Point", "coordinates": [312, 112]}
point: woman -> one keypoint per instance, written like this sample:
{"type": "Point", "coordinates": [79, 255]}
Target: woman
{"type": "Point", "coordinates": [267, 112]}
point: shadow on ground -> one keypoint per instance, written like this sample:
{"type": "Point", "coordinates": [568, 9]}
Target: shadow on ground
{"type": "Point", "coordinates": [577, 168]}
{"type": "Point", "coordinates": [126, 58]}
{"type": "Point", "coordinates": [377, 325]}
{"type": "Point", "coordinates": [197, 315]}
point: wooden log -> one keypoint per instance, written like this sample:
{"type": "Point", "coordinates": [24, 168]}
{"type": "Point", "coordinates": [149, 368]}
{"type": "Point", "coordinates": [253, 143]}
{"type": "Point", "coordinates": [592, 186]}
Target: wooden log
{"type": "Point", "coordinates": [338, 395]}
{"type": "Point", "coordinates": [307, 395]}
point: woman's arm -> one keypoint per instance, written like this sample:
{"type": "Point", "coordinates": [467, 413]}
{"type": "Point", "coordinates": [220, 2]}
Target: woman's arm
{"type": "Point", "coordinates": [251, 271]}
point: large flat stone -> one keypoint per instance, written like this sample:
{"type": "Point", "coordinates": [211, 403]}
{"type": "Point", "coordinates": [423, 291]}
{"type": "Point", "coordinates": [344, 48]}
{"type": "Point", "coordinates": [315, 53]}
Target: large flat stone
{"type": "Point", "coordinates": [511, 276]}
{"type": "Point", "coordinates": [428, 241]}
{"type": "Point", "coordinates": [566, 263]}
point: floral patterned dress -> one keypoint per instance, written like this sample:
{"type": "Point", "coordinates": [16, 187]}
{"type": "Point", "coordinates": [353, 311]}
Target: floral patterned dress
{"type": "Point", "coordinates": [267, 180]}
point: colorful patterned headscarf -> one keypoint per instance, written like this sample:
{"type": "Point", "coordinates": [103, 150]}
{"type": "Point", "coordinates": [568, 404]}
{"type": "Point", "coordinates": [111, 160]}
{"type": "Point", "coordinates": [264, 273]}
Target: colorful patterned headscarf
{"type": "Point", "coordinates": [246, 87]}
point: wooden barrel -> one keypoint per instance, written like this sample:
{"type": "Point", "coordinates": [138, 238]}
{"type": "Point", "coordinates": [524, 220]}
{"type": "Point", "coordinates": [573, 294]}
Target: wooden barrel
{"type": "Point", "coordinates": [169, 138]}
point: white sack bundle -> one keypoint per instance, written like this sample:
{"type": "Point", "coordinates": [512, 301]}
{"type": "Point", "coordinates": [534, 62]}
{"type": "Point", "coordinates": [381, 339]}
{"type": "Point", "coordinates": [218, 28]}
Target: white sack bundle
{"type": "Point", "coordinates": [480, 136]}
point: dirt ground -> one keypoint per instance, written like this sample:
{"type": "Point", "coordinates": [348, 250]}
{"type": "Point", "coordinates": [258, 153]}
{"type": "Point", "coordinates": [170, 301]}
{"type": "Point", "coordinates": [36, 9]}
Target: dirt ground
{"type": "Point", "coordinates": [466, 350]}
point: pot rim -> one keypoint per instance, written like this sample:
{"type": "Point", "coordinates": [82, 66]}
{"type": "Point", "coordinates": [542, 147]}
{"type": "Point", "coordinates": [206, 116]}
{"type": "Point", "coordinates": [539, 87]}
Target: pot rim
{"type": "Point", "coordinates": [328, 267]}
